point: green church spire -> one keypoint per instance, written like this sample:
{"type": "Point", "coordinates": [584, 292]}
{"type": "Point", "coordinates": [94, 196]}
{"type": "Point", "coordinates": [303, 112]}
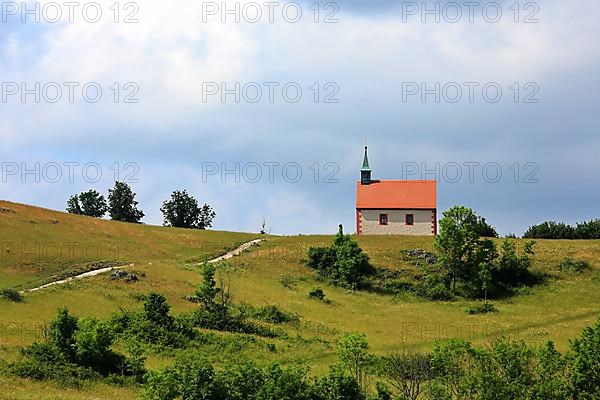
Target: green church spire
{"type": "Point", "coordinates": [365, 166]}
{"type": "Point", "coordinates": [365, 171]}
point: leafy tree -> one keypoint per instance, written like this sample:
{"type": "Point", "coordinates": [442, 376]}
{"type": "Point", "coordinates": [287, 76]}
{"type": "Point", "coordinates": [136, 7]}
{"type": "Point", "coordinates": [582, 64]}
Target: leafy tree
{"type": "Point", "coordinates": [161, 385]}
{"type": "Point", "coordinates": [484, 229]}
{"type": "Point", "coordinates": [215, 298]}
{"type": "Point", "coordinates": [450, 364]}
{"type": "Point", "coordinates": [93, 204]}
{"type": "Point", "coordinates": [199, 381]}
{"type": "Point", "coordinates": [90, 203]}
{"type": "Point", "coordinates": [122, 205]}
{"type": "Point", "coordinates": [551, 373]}
{"type": "Point", "coordinates": [485, 276]}
{"type": "Point", "coordinates": [284, 383]}
{"type": "Point", "coordinates": [353, 355]}
{"type": "Point", "coordinates": [585, 364]}
{"type": "Point", "coordinates": [504, 371]}
{"type": "Point", "coordinates": [183, 211]}
{"type": "Point", "coordinates": [459, 249]}
{"type": "Point", "coordinates": [73, 206]}
{"type": "Point", "coordinates": [192, 377]}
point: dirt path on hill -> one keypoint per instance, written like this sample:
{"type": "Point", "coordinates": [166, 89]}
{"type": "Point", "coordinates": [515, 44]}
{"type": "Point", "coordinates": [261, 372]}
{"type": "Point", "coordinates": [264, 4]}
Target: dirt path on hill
{"type": "Point", "coordinates": [236, 252]}
{"type": "Point", "coordinates": [226, 256]}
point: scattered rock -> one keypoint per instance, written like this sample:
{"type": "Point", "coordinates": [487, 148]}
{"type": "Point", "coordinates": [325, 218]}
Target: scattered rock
{"type": "Point", "coordinates": [118, 274]}
{"type": "Point", "coordinates": [5, 210]}
{"type": "Point", "coordinates": [418, 255]}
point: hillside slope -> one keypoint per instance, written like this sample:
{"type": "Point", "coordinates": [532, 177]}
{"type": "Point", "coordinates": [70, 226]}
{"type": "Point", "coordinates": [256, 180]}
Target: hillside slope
{"type": "Point", "coordinates": [39, 245]}
{"type": "Point", "coordinates": [166, 260]}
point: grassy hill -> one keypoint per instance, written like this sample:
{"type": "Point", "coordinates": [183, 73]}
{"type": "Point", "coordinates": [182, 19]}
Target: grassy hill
{"type": "Point", "coordinates": [40, 245]}
{"type": "Point", "coordinates": [168, 261]}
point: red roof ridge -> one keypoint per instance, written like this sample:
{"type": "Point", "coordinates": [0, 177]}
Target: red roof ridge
{"type": "Point", "coordinates": [409, 194]}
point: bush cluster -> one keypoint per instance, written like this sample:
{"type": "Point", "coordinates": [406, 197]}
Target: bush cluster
{"type": "Point", "coordinates": [154, 325]}
{"type": "Point", "coordinates": [504, 370]}
{"type": "Point", "coordinates": [269, 313]}
{"type": "Point", "coordinates": [484, 308]}
{"type": "Point", "coordinates": [75, 350]}
{"type": "Point", "coordinates": [316, 293]}
{"type": "Point", "coordinates": [192, 376]}
{"type": "Point", "coordinates": [571, 265]}
{"type": "Point", "coordinates": [11, 295]}
{"type": "Point", "coordinates": [471, 266]}
{"type": "Point", "coordinates": [560, 230]}
{"type": "Point", "coordinates": [343, 263]}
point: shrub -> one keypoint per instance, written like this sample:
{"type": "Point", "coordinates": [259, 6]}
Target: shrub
{"type": "Point", "coordinates": [316, 293]}
{"type": "Point", "coordinates": [270, 313]}
{"type": "Point", "coordinates": [93, 339]}
{"type": "Point", "coordinates": [512, 269]}
{"type": "Point", "coordinates": [396, 286]}
{"type": "Point", "coordinates": [61, 333]}
{"type": "Point", "coordinates": [577, 266]}
{"type": "Point", "coordinates": [484, 308]}
{"type": "Point", "coordinates": [434, 287]}
{"type": "Point", "coordinates": [287, 281]}
{"type": "Point", "coordinates": [154, 325]}
{"type": "Point", "coordinates": [344, 263]}
{"type": "Point", "coordinates": [11, 295]}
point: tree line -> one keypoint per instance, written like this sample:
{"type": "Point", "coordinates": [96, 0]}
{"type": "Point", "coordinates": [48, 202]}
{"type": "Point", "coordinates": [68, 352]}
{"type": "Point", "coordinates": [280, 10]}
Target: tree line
{"type": "Point", "coordinates": [559, 230]}
{"type": "Point", "coordinates": [182, 210]}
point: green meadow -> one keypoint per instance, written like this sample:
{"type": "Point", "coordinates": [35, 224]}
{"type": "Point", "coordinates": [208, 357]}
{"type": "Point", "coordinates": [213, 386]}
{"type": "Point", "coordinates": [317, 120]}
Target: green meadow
{"type": "Point", "coordinates": [39, 246]}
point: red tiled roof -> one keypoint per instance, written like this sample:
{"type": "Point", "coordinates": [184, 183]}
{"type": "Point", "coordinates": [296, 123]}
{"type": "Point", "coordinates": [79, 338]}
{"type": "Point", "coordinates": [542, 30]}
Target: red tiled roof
{"type": "Point", "coordinates": [396, 194]}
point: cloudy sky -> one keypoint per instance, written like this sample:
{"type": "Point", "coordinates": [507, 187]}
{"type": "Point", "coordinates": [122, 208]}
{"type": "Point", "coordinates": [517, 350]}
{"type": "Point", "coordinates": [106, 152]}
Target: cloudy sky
{"type": "Point", "coordinates": [262, 110]}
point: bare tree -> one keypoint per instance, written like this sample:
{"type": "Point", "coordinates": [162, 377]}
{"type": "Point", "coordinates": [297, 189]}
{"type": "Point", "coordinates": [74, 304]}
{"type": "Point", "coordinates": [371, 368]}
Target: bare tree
{"type": "Point", "coordinates": [408, 372]}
